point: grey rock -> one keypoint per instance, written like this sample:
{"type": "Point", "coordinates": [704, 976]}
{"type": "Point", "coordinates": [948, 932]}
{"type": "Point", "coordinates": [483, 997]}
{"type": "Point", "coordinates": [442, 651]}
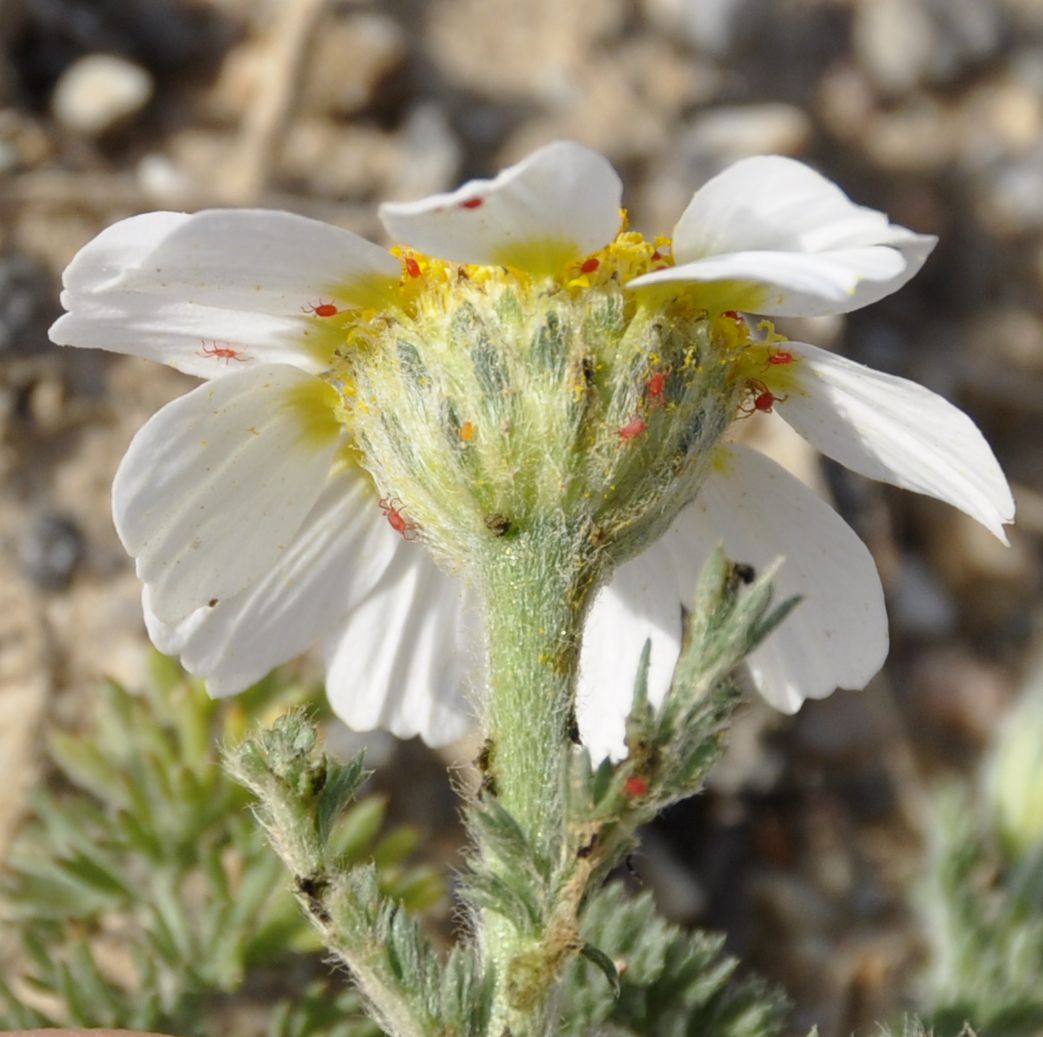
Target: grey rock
{"type": "Point", "coordinates": [25, 291]}
{"type": "Point", "coordinates": [430, 158]}
{"type": "Point", "coordinates": [904, 44]}
{"type": "Point", "coordinates": [920, 604]}
{"type": "Point", "coordinates": [710, 26]}
{"type": "Point", "coordinates": [732, 132]}
{"type": "Point", "coordinates": [50, 549]}
{"type": "Point", "coordinates": [100, 92]}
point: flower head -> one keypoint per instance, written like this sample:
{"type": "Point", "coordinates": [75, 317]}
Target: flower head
{"type": "Point", "coordinates": [519, 358]}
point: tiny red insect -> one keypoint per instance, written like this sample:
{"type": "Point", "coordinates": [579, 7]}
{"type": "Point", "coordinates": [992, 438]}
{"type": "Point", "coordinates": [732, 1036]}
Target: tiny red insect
{"type": "Point", "coordinates": [321, 309]}
{"type": "Point", "coordinates": [472, 203]}
{"type": "Point", "coordinates": [764, 401]}
{"type": "Point", "coordinates": [590, 265]}
{"type": "Point", "coordinates": [633, 428]}
{"type": "Point", "coordinates": [222, 352]}
{"type": "Point", "coordinates": [735, 316]}
{"type": "Point", "coordinates": [655, 385]}
{"type": "Point", "coordinates": [781, 357]}
{"type": "Point", "coordinates": [634, 787]}
{"type": "Point", "coordinates": [392, 508]}
{"type": "Point", "coordinates": [412, 267]}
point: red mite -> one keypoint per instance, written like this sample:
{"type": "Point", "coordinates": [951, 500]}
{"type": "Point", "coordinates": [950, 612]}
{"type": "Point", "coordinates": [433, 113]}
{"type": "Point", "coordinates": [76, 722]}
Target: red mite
{"type": "Point", "coordinates": [224, 353]}
{"type": "Point", "coordinates": [781, 357]}
{"type": "Point", "coordinates": [412, 267]}
{"type": "Point", "coordinates": [633, 428]}
{"type": "Point", "coordinates": [392, 508]}
{"type": "Point", "coordinates": [322, 309]}
{"type": "Point", "coordinates": [634, 787]}
{"type": "Point", "coordinates": [472, 203]}
{"type": "Point", "coordinates": [655, 385]}
{"type": "Point", "coordinates": [590, 266]}
{"type": "Point", "coordinates": [764, 401]}
{"type": "Point", "coordinates": [735, 316]}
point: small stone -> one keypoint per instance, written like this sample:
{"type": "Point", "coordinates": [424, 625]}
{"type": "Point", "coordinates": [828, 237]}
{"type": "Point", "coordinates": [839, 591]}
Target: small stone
{"type": "Point", "coordinates": [992, 583]}
{"type": "Point", "coordinates": [48, 404]}
{"type": "Point", "coordinates": [919, 605]}
{"type": "Point", "coordinates": [100, 92]}
{"type": "Point", "coordinates": [1009, 336]}
{"type": "Point", "coordinates": [50, 549]}
{"type": "Point", "coordinates": [430, 158]}
{"type": "Point", "coordinates": [710, 26]}
{"type": "Point", "coordinates": [904, 44]}
{"type": "Point", "coordinates": [503, 50]}
{"type": "Point", "coordinates": [714, 139]}
{"type": "Point", "coordinates": [1010, 197]}
{"type": "Point", "coordinates": [920, 136]}
{"type": "Point", "coordinates": [346, 163]}
{"type": "Point", "coordinates": [844, 100]}
{"type": "Point", "coordinates": [893, 40]}
{"type": "Point", "coordinates": [999, 117]}
{"type": "Point", "coordinates": [25, 303]}
{"type": "Point", "coordinates": [163, 181]}
{"type": "Point", "coordinates": [731, 132]}
{"type": "Point", "coordinates": [957, 694]}
{"type": "Point", "coordinates": [353, 61]}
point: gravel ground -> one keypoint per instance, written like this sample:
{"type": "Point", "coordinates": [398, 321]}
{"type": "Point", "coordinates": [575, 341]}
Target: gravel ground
{"type": "Point", "coordinates": [929, 109]}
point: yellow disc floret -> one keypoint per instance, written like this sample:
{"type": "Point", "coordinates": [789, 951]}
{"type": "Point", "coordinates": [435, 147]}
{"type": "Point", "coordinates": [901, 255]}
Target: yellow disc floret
{"type": "Point", "coordinates": [491, 398]}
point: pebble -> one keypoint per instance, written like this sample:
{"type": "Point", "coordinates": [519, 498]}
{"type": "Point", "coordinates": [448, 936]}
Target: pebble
{"type": "Point", "coordinates": [1010, 195]}
{"type": "Point", "coordinates": [712, 140]}
{"type": "Point", "coordinates": [351, 163]}
{"type": "Point", "coordinates": [99, 93]}
{"type": "Point", "coordinates": [920, 136]}
{"type": "Point", "coordinates": [920, 605]}
{"type": "Point", "coordinates": [999, 117]}
{"type": "Point", "coordinates": [354, 61]}
{"type": "Point", "coordinates": [732, 132]}
{"type": "Point", "coordinates": [431, 155]}
{"type": "Point", "coordinates": [893, 40]}
{"type": "Point", "coordinates": [1009, 336]}
{"type": "Point", "coordinates": [958, 695]}
{"type": "Point", "coordinates": [51, 546]}
{"type": "Point", "coordinates": [904, 44]}
{"type": "Point", "coordinates": [25, 296]}
{"type": "Point", "coordinates": [992, 583]}
{"type": "Point", "coordinates": [710, 26]}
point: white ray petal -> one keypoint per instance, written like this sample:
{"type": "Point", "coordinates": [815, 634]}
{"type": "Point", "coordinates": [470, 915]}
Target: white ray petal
{"type": "Point", "coordinates": [206, 341]}
{"type": "Point", "coordinates": [117, 249]}
{"type": "Point", "coordinates": [784, 240]}
{"type": "Point", "coordinates": [341, 550]}
{"type": "Point", "coordinates": [837, 636]}
{"type": "Point", "coordinates": [214, 487]}
{"type": "Point", "coordinates": [208, 292]}
{"type": "Point", "coordinates": [398, 664]}
{"type": "Point", "coordinates": [557, 205]}
{"type": "Point", "coordinates": [641, 602]}
{"type": "Point", "coordinates": [894, 430]}
{"type": "Point", "coordinates": [248, 259]}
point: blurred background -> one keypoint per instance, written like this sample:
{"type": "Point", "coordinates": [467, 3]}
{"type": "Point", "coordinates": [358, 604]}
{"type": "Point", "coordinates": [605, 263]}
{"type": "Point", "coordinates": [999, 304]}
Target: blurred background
{"type": "Point", "coordinates": [816, 829]}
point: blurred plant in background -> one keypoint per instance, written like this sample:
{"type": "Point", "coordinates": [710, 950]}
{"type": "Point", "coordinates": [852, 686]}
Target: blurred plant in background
{"type": "Point", "coordinates": [982, 898]}
{"type": "Point", "coordinates": [144, 894]}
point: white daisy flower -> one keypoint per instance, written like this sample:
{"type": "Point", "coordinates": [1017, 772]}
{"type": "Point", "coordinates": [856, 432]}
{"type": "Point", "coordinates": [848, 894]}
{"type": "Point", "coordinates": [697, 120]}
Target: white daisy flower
{"type": "Point", "coordinates": [258, 532]}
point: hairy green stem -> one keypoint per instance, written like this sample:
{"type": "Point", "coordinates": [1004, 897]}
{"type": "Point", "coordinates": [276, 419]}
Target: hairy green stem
{"type": "Point", "coordinates": [536, 597]}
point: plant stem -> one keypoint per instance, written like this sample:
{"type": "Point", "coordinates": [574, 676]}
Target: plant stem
{"type": "Point", "coordinates": [536, 596]}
